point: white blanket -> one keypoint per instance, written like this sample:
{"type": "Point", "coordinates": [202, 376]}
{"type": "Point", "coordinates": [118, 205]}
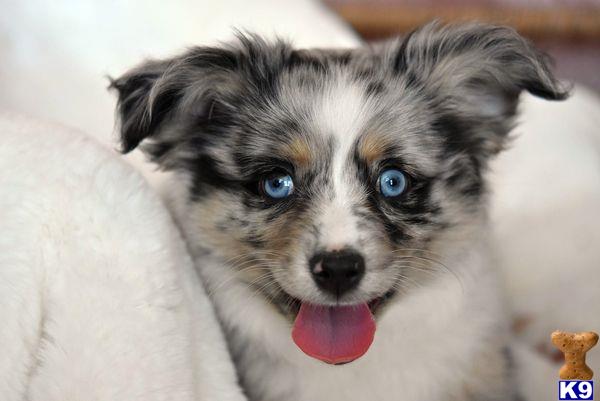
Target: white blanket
{"type": "Point", "coordinates": [98, 296]}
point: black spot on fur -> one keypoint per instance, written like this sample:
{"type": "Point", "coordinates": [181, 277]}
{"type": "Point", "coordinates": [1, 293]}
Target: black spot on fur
{"type": "Point", "coordinates": [306, 59]}
{"type": "Point", "coordinates": [375, 88]}
{"type": "Point", "coordinates": [400, 62]}
{"type": "Point", "coordinates": [468, 186]}
{"type": "Point", "coordinates": [456, 134]}
{"type": "Point", "coordinates": [208, 177]}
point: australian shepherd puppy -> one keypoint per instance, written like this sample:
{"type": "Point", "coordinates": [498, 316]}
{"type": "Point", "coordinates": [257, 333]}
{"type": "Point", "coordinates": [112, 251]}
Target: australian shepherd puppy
{"type": "Point", "coordinates": [335, 203]}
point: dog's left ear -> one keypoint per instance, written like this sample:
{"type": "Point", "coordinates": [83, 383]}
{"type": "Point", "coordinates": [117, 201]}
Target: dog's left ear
{"type": "Point", "coordinates": [473, 75]}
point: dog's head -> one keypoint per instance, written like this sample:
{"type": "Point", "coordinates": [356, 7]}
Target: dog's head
{"type": "Point", "coordinates": [327, 178]}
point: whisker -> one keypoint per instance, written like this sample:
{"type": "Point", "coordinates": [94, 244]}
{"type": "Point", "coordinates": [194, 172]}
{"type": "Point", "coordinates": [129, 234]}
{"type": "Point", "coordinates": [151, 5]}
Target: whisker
{"type": "Point", "coordinates": [437, 262]}
{"type": "Point", "coordinates": [236, 274]}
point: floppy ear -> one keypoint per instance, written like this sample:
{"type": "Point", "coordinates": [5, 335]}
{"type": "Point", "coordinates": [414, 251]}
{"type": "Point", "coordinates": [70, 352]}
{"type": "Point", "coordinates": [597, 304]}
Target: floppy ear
{"type": "Point", "coordinates": [139, 113]}
{"type": "Point", "coordinates": [474, 74]}
{"type": "Point", "coordinates": [156, 92]}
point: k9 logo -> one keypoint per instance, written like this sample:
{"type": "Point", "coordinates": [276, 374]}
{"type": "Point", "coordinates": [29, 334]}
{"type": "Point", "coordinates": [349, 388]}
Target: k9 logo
{"type": "Point", "coordinates": [575, 390]}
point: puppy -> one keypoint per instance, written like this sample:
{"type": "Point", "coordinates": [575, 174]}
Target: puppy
{"type": "Point", "coordinates": [335, 203]}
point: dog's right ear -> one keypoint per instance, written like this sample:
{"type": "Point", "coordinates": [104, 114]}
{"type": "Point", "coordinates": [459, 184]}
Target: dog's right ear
{"type": "Point", "coordinates": [155, 92]}
{"type": "Point", "coordinates": [139, 109]}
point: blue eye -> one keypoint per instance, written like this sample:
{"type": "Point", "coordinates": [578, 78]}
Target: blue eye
{"type": "Point", "coordinates": [392, 183]}
{"type": "Point", "coordinates": [279, 186]}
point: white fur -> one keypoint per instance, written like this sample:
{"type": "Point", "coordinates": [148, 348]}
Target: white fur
{"type": "Point", "coordinates": [98, 296]}
{"type": "Point", "coordinates": [340, 112]}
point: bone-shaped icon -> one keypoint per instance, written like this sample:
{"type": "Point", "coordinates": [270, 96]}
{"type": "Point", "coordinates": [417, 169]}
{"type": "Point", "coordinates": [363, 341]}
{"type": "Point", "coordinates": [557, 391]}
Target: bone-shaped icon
{"type": "Point", "coordinates": [574, 346]}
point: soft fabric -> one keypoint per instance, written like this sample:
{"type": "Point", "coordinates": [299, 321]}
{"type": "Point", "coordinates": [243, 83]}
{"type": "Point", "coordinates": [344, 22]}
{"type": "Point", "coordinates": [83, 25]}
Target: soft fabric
{"type": "Point", "coordinates": [98, 296]}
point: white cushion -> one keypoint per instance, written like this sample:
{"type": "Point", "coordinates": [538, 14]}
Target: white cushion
{"type": "Point", "coordinates": [98, 296]}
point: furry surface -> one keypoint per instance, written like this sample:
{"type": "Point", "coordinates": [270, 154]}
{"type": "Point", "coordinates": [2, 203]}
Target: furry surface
{"type": "Point", "coordinates": [98, 296]}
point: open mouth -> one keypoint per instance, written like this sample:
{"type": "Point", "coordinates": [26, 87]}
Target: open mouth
{"type": "Point", "coordinates": [336, 334]}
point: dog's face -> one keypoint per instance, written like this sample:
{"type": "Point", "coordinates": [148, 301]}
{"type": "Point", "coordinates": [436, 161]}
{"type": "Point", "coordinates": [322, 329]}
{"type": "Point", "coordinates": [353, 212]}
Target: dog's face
{"type": "Point", "coordinates": [330, 177]}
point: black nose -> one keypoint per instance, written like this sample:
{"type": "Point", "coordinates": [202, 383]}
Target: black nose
{"type": "Point", "coordinates": [337, 272]}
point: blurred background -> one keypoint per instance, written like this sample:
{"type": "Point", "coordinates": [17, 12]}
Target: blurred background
{"type": "Point", "coordinates": [569, 30]}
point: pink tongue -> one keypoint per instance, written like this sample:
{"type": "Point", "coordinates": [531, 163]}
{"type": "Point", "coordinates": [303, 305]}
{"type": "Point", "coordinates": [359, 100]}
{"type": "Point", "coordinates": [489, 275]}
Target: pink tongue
{"type": "Point", "coordinates": [334, 334]}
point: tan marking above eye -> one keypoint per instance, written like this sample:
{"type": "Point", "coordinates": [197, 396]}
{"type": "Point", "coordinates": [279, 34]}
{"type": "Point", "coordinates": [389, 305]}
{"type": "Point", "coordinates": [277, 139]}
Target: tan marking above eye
{"type": "Point", "coordinates": [372, 147]}
{"type": "Point", "coordinates": [298, 151]}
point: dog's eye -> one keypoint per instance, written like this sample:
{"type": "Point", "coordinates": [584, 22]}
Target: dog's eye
{"type": "Point", "coordinates": [392, 183]}
{"type": "Point", "coordinates": [278, 186]}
